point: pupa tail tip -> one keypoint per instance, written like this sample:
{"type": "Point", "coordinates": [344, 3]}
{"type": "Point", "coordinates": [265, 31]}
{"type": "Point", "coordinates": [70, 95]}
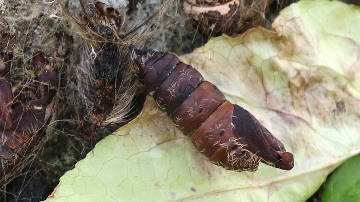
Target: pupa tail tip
{"type": "Point", "coordinates": [287, 160]}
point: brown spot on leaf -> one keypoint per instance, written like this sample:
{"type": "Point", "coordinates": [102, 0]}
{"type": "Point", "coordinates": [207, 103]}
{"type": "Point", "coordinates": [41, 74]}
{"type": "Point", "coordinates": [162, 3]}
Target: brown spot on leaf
{"type": "Point", "coordinates": [340, 108]}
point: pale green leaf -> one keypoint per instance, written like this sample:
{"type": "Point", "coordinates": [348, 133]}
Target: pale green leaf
{"type": "Point", "coordinates": [302, 82]}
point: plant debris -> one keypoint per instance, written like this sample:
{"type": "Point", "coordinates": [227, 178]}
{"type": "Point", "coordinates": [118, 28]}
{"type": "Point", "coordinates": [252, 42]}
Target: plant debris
{"type": "Point", "coordinates": [96, 93]}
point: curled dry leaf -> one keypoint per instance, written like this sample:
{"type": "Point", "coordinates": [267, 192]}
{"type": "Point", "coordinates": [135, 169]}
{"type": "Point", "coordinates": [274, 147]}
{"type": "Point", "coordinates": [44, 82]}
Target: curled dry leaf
{"type": "Point", "coordinates": [302, 82]}
{"type": "Point", "coordinates": [25, 112]}
{"type": "Point", "coordinates": [226, 16]}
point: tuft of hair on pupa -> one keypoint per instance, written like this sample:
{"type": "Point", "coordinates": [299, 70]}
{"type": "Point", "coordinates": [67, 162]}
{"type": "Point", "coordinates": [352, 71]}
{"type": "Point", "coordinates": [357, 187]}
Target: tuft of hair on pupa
{"type": "Point", "coordinates": [106, 76]}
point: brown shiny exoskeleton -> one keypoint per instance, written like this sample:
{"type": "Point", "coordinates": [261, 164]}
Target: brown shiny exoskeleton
{"type": "Point", "coordinates": [226, 133]}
